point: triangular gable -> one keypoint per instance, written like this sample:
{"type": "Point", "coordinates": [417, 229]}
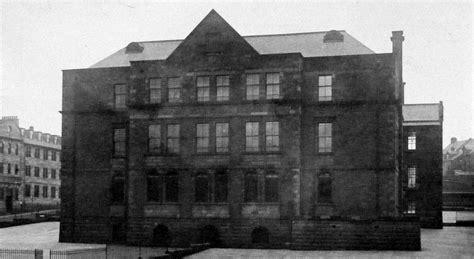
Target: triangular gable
{"type": "Point", "coordinates": [212, 43]}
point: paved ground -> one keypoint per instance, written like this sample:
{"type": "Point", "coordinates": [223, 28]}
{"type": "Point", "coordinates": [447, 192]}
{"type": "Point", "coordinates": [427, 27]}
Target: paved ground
{"type": "Point", "coordinates": [450, 242]}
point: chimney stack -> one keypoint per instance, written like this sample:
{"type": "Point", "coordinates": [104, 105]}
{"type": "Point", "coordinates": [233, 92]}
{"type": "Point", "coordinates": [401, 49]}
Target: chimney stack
{"type": "Point", "coordinates": [397, 50]}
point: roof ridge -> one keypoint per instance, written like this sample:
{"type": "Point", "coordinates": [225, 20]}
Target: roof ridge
{"type": "Point", "coordinates": [288, 34]}
{"type": "Point", "coordinates": [249, 36]}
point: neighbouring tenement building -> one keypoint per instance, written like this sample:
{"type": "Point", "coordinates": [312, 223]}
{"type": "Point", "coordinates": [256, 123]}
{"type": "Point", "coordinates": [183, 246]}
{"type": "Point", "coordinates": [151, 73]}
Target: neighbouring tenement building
{"type": "Point", "coordinates": [284, 141]}
{"type": "Point", "coordinates": [29, 167]}
{"type": "Point", "coordinates": [422, 177]}
{"type": "Point", "coordinates": [458, 175]}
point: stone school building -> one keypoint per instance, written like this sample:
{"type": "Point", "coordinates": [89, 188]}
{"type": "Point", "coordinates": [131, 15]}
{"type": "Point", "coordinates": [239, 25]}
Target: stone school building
{"type": "Point", "coordinates": [279, 141]}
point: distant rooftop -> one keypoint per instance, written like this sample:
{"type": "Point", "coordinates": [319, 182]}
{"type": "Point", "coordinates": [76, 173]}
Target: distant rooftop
{"type": "Point", "coordinates": [422, 114]}
{"type": "Point", "coordinates": [310, 44]}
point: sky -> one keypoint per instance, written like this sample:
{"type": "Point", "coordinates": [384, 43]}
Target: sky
{"type": "Point", "coordinates": [40, 39]}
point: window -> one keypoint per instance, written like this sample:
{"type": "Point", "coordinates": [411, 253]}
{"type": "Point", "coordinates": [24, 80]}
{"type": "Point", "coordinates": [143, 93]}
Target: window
{"type": "Point", "coordinates": [253, 90]}
{"type": "Point", "coordinates": [53, 155]}
{"type": "Point", "coordinates": [272, 136]}
{"type": "Point", "coordinates": [45, 191]}
{"type": "Point", "coordinates": [155, 90]}
{"type": "Point", "coordinates": [37, 171]}
{"type": "Point", "coordinates": [53, 192]}
{"type": "Point", "coordinates": [251, 187]}
{"type": "Point", "coordinates": [202, 188]}
{"type": "Point", "coordinates": [45, 154]}
{"type": "Point", "coordinates": [45, 172]}
{"type": "Point", "coordinates": [1, 146]}
{"type": "Point", "coordinates": [36, 191]}
{"type": "Point", "coordinates": [260, 186]}
{"type": "Point", "coordinates": [28, 170]}
{"type": "Point", "coordinates": [271, 187]}
{"type": "Point", "coordinates": [220, 186]}
{"type": "Point", "coordinates": [411, 208]}
{"type": "Point", "coordinates": [411, 177]}
{"type": "Point", "coordinates": [162, 187]}
{"type": "Point", "coordinates": [16, 149]}
{"type": "Point", "coordinates": [202, 138]}
{"type": "Point", "coordinates": [325, 88]}
{"type": "Point", "coordinates": [1, 168]}
{"type": "Point", "coordinates": [154, 138]}
{"type": "Point", "coordinates": [174, 90]}
{"type": "Point", "coordinates": [222, 137]}
{"type": "Point", "coordinates": [53, 173]}
{"type": "Point", "coordinates": [28, 151]}
{"type": "Point", "coordinates": [2, 194]}
{"type": "Point", "coordinates": [412, 141]}
{"type": "Point", "coordinates": [273, 86]}
{"type": "Point", "coordinates": [251, 137]}
{"type": "Point", "coordinates": [119, 96]}
{"type": "Point", "coordinates": [27, 190]}
{"type": "Point", "coordinates": [324, 188]}
{"type": "Point", "coordinates": [37, 152]}
{"type": "Point", "coordinates": [324, 137]}
{"type": "Point", "coordinates": [119, 142]}
{"type": "Point", "coordinates": [203, 86]}
{"type": "Point", "coordinates": [211, 186]}
{"type": "Point", "coordinates": [9, 148]}
{"type": "Point", "coordinates": [117, 188]}
{"type": "Point", "coordinates": [222, 83]}
{"type": "Point", "coordinates": [173, 138]}
{"type": "Point", "coordinates": [17, 170]}
{"type": "Point", "coordinates": [9, 168]}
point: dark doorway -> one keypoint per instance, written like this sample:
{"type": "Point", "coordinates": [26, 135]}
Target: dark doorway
{"type": "Point", "coordinates": [161, 236]}
{"type": "Point", "coordinates": [210, 234]}
{"type": "Point", "coordinates": [118, 233]}
{"type": "Point", "coordinates": [9, 203]}
{"type": "Point", "coordinates": [260, 235]}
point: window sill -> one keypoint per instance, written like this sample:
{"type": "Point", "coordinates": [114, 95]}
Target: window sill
{"type": "Point", "coordinates": [200, 203]}
{"type": "Point", "coordinates": [324, 204]}
{"type": "Point", "coordinates": [157, 203]}
{"type": "Point", "coordinates": [212, 154]}
{"type": "Point", "coordinates": [325, 153]}
{"type": "Point", "coordinates": [163, 154]}
{"type": "Point", "coordinates": [262, 153]}
{"type": "Point", "coordinates": [263, 203]}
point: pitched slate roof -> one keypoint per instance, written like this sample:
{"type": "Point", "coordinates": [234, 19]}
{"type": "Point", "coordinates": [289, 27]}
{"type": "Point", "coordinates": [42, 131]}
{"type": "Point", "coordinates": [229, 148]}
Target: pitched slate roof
{"type": "Point", "coordinates": [455, 149]}
{"type": "Point", "coordinates": [422, 114]}
{"type": "Point", "coordinates": [308, 44]}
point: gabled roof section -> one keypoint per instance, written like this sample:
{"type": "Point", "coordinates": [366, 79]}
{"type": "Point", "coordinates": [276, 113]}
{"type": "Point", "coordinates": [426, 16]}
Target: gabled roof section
{"type": "Point", "coordinates": [309, 44]}
{"type": "Point", "coordinates": [212, 36]}
{"type": "Point", "coordinates": [422, 114]}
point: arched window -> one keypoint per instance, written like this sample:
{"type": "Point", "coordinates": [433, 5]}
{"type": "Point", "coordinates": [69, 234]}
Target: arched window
{"type": "Point", "coordinates": [260, 235]}
{"type": "Point", "coordinates": [161, 236]}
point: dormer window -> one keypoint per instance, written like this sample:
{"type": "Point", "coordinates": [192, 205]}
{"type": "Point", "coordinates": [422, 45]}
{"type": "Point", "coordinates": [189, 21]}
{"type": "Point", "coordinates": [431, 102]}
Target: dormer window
{"type": "Point", "coordinates": [134, 47]}
{"type": "Point", "coordinates": [333, 36]}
